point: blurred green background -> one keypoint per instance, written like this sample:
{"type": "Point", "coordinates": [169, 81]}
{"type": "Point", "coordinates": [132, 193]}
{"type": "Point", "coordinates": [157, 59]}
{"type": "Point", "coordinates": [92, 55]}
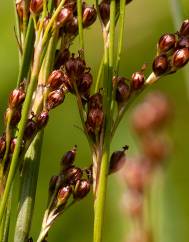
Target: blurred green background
{"type": "Point", "coordinates": [145, 21]}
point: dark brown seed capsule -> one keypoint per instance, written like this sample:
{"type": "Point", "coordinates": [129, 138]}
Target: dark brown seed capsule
{"type": "Point", "coordinates": [180, 57]}
{"type": "Point", "coordinates": [166, 42]}
{"type": "Point", "coordinates": [42, 119]}
{"type": "Point", "coordinates": [104, 9]}
{"type": "Point", "coordinates": [69, 157]}
{"type": "Point", "coordinates": [72, 26]}
{"type": "Point", "coordinates": [160, 65]}
{"type": "Point", "coordinates": [36, 6]}
{"type": "Point", "coordinates": [122, 90]}
{"type": "Point", "coordinates": [95, 118]}
{"type": "Point", "coordinates": [183, 42]}
{"type": "Point", "coordinates": [137, 80]}
{"type": "Point", "coordinates": [2, 146]}
{"type": "Point", "coordinates": [52, 185]}
{"type": "Point", "coordinates": [72, 174]}
{"type": "Point", "coordinates": [16, 98]}
{"type": "Point", "coordinates": [20, 8]}
{"type": "Point", "coordinates": [64, 17]}
{"type": "Point", "coordinates": [71, 4]}
{"type": "Point", "coordinates": [82, 188]}
{"type": "Point", "coordinates": [89, 16]}
{"type": "Point", "coordinates": [55, 98]}
{"type": "Point", "coordinates": [75, 67]}
{"type": "Point", "coordinates": [184, 30]}
{"type": "Point", "coordinates": [55, 79]}
{"type": "Point", "coordinates": [63, 196]}
{"type": "Point", "coordinates": [95, 101]}
{"type": "Point", "coordinates": [86, 82]}
{"type": "Point", "coordinates": [117, 160]}
{"type": "Point", "coordinates": [30, 129]}
{"type": "Point", "coordinates": [63, 56]}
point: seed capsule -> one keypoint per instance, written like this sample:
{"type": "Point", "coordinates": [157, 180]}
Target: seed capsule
{"type": "Point", "coordinates": [122, 90]}
{"type": "Point", "coordinates": [2, 146]}
{"type": "Point", "coordinates": [30, 129]}
{"type": "Point", "coordinates": [95, 118]}
{"type": "Point", "coordinates": [69, 157]}
{"type": "Point", "coordinates": [63, 196]}
{"type": "Point", "coordinates": [160, 65]}
{"type": "Point", "coordinates": [89, 16]}
{"type": "Point", "coordinates": [95, 101]}
{"type": "Point", "coordinates": [166, 42]}
{"type": "Point", "coordinates": [104, 9]}
{"type": "Point", "coordinates": [183, 43]}
{"type": "Point", "coordinates": [36, 6]}
{"type": "Point", "coordinates": [117, 160]}
{"type": "Point", "coordinates": [72, 174]}
{"type": "Point", "coordinates": [16, 98]}
{"type": "Point", "coordinates": [75, 67]}
{"type": "Point", "coordinates": [86, 82]}
{"type": "Point", "coordinates": [55, 79]}
{"type": "Point", "coordinates": [137, 80]}
{"type": "Point", "coordinates": [184, 30]}
{"type": "Point", "coordinates": [72, 26]}
{"type": "Point", "coordinates": [55, 98]}
{"type": "Point", "coordinates": [82, 188]}
{"type": "Point", "coordinates": [180, 57]}
{"type": "Point", "coordinates": [42, 119]}
{"type": "Point", "coordinates": [64, 17]}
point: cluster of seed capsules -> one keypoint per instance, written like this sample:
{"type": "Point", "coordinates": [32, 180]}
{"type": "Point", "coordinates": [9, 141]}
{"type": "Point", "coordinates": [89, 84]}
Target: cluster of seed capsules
{"type": "Point", "coordinates": [172, 51]}
{"type": "Point", "coordinates": [149, 119]}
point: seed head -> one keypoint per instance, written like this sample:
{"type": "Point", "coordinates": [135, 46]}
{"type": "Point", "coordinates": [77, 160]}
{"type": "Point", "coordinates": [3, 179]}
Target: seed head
{"type": "Point", "coordinates": [95, 118]}
{"type": "Point", "coordinates": [166, 42]}
{"type": "Point", "coordinates": [104, 9]}
{"type": "Point", "coordinates": [64, 17]}
{"type": "Point", "coordinates": [55, 79]}
{"type": "Point", "coordinates": [82, 188]}
{"type": "Point", "coordinates": [69, 157]}
{"type": "Point", "coordinates": [180, 57]}
{"type": "Point", "coordinates": [75, 67]}
{"type": "Point", "coordinates": [122, 90]}
{"type": "Point", "coordinates": [86, 82]}
{"type": "Point", "coordinates": [30, 129]}
{"type": "Point", "coordinates": [72, 26]}
{"type": "Point", "coordinates": [72, 174]}
{"type": "Point", "coordinates": [89, 16]}
{"type": "Point", "coordinates": [63, 196]}
{"type": "Point", "coordinates": [137, 80]}
{"type": "Point", "coordinates": [16, 98]}
{"type": "Point", "coordinates": [184, 30]}
{"type": "Point", "coordinates": [55, 98]}
{"type": "Point", "coordinates": [95, 101]}
{"type": "Point", "coordinates": [117, 160]}
{"type": "Point", "coordinates": [160, 65]}
{"type": "Point", "coordinates": [42, 119]}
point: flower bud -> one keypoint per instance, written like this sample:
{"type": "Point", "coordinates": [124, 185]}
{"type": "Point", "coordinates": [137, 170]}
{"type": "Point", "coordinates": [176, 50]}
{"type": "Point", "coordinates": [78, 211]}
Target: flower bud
{"type": "Point", "coordinates": [104, 9]}
{"type": "Point", "coordinates": [183, 42]}
{"type": "Point", "coordinates": [55, 98]}
{"type": "Point", "coordinates": [117, 160]}
{"type": "Point", "coordinates": [72, 174]}
{"type": "Point", "coordinates": [55, 79]}
{"type": "Point", "coordinates": [63, 56]}
{"type": "Point", "coordinates": [42, 119]}
{"type": "Point", "coordinates": [89, 16]}
{"type": "Point", "coordinates": [16, 98]}
{"type": "Point", "coordinates": [63, 196]}
{"type": "Point", "coordinates": [122, 90]}
{"type": "Point", "coordinates": [30, 129]}
{"type": "Point", "coordinates": [69, 157]}
{"type": "Point", "coordinates": [160, 65]}
{"type": "Point", "coordinates": [2, 146]}
{"type": "Point", "coordinates": [180, 57]}
{"type": "Point", "coordinates": [166, 42]}
{"type": "Point", "coordinates": [95, 118]}
{"type": "Point", "coordinates": [36, 6]}
{"type": "Point", "coordinates": [72, 26]}
{"type": "Point", "coordinates": [95, 101]}
{"type": "Point", "coordinates": [82, 188]}
{"type": "Point", "coordinates": [64, 16]}
{"type": "Point", "coordinates": [137, 80]}
{"type": "Point", "coordinates": [184, 30]}
{"type": "Point", "coordinates": [75, 67]}
{"type": "Point", "coordinates": [86, 82]}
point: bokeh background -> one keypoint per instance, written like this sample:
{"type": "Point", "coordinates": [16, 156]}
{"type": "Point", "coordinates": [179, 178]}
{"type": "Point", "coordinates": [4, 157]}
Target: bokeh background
{"type": "Point", "coordinates": [145, 21]}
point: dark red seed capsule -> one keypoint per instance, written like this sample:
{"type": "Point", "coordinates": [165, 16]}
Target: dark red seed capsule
{"type": "Point", "coordinates": [42, 119]}
{"type": "Point", "coordinates": [55, 79]}
{"type": "Point", "coordinates": [180, 57]}
{"type": "Point", "coordinates": [63, 196]}
{"type": "Point", "coordinates": [69, 157]}
{"type": "Point", "coordinates": [75, 67]}
{"type": "Point", "coordinates": [95, 101]}
{"type": "Point", "coordinates": [55, 98]}
{"type": "Point", "coordinates": [64, 17]}
{"type": "Point", "coordinates": [117, 160]}
{"type": "Point", "coordinates": [86, 82]}
{"type": "Point", "coordinates": [122, 90]}
{"type": "Point", "coordinates": [16, 98]}
{"type": "Point", "coordinates": [71, 4]}
{"type": "Point", "coordinates": [72, 174]}
{"type": "Point", "coordinates": [183, 42]}
{"type": "Point", "coordinates": [82, 188]}
{"type": "Point", "coordinates": [137, 80]}
{"type": "Point", "coordinates": [2, 146]}
{"type": "Point", "coordinates": [166, 42]}
{"type": "Point", "coordinates": [95, 118]}
{"type": "Point", "coordinates": [89, 16]}
{"type": "Point", "coordinates": [104, 9]}
{"type": "Point", "coordinates": [160, 65]}
{"type": "Point", "coordinates": [184, 30]}
{"type": "Point", "coordinates": [36, 6]}
{"type": "Point", "coordinates": [71, 27]}
{"type": "Point", "coordinates": [30, 129]}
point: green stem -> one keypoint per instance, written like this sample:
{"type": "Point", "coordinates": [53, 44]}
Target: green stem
{"type": "Point", "coordinates": [28, 189]}
{"type": "Point", "coordinates": [100, 70]}
{"type": "Point", "coordinates": [80, 23]}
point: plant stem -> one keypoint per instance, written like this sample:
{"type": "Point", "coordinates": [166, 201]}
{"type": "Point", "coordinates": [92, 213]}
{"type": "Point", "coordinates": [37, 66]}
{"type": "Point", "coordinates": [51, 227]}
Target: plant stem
{"type": "Point", "coordinates": [28, 189]}
{"type": "Point", "coordinates": [80, 23]}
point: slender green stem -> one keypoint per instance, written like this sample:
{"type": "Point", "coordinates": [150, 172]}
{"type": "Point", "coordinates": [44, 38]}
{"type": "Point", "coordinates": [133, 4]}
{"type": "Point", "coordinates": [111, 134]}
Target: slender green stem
{"type": "Point", "coordinates": [28, 189]}
{"type": "Point", "coordinates": [99, 76]}
{"type": "Point", "coordinates": [80, 23]}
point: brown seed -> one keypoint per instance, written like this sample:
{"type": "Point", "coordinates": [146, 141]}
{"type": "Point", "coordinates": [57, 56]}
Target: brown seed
{"type": "Point", "coordinates": [55, 79]}
{"type": "Point", "coordinates": [72, 174]}
{"type": "Point", "coordinates": [86, 82]}
{"type": "Point", "coordinates": [75, 67]}
{"type": "Point", "coordinates": [184, 30]}
{"type": "Point", "coordinates": [122, 90]}
{"type": "Point", "coordinates": [64, 16]}
{"type": "Point", "coordinates": [72, 26]}
{"type": "Point", "coordinates": [117, 160]}
{"type": "Point", "coordinates": [42, 119]}
{"type": "Point", "coordinates": [36, 6]}
{"type": "Point", "coordinates": [180, 57]}
{"type": "Point", "coordinates": [16, 98]}
{"type": "Point", "coordinates": [95, 118]}
{"type": "Point", "coordinates": [104, 9]}
{"type": "Point", "coordinates": [95, 101]}
{"type": "Point", "coordinates": [82, 188]}
{"type": "Point", "coordinates": [137, 80]}
{"type": "Point", "coordinates": [30, 129]}
{"type": "Point", "coordinates": [89, 16]}
{"type": "Point", "coordinates": [160, 65]}
{"type": "Point", "coordinates": [166, 42]}
{"type": "Point", "coordinates": [55, 98]}
{"type": "Point", "coordinates": [63, 196]}
{"type": "Point", "coordinates": [69, 157]}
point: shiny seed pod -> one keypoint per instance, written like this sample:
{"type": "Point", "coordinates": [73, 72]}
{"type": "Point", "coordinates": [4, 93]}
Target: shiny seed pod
{"type": "Point", "coordinates": [72, 174]}
{"type": "Point", "coordinates": [69, 157]}
{"type": "Point", "coordinates": [86, 82]}
{"type": "Point", "coordinates": [42, 119]}
{"type": "Point", "coordinates": [75, 67]}
{"type": "Point", "coordinates": [89, 16]}
{"type": "Point", "coordinates": [64, 16]}
{"type": "Point", "coordinates": [82, 188]}
{"type": "Point", "coordinates": [137, 80]}
{"type": "Point", "coordinates": [71, 27]}
{"type": "Point", "coordinates": [36, 6]}
{"type": "Point", "coordinates": [95, 101]}
{"type": "Point", "coordinates": [104, 10]}
{"type": "Point", "coordinates": [30, 129]}
{"type": "Point", "coordinates": [55, 98]}
{"type": "Point", "coordinates": [95, 118]}
{"type": "Point", "coordinates": [183, 42]}
{"type": "Point", "coordinates": [166, 42]}
{"type": "Point", "coordinates": [63, 56]}
{"type": "Point", "coordinates": [160, 65]}
{"type": "Point", "coordinates": [63, 196]}
{"type": "Point", "coordinates": [117, 160]}
{"type": "Point", "coordinates": [180, 57]}
{"type": "Point", "coordinates": [122, 90]}
{"type": "Point", "coordinates": [16, 98]}
{"type": "Point", "coordinates": [55, 79]}
{"type": "Point", "coordinates": [2, 146]}
{"type": "Point", "coordinates": [184, 30]}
